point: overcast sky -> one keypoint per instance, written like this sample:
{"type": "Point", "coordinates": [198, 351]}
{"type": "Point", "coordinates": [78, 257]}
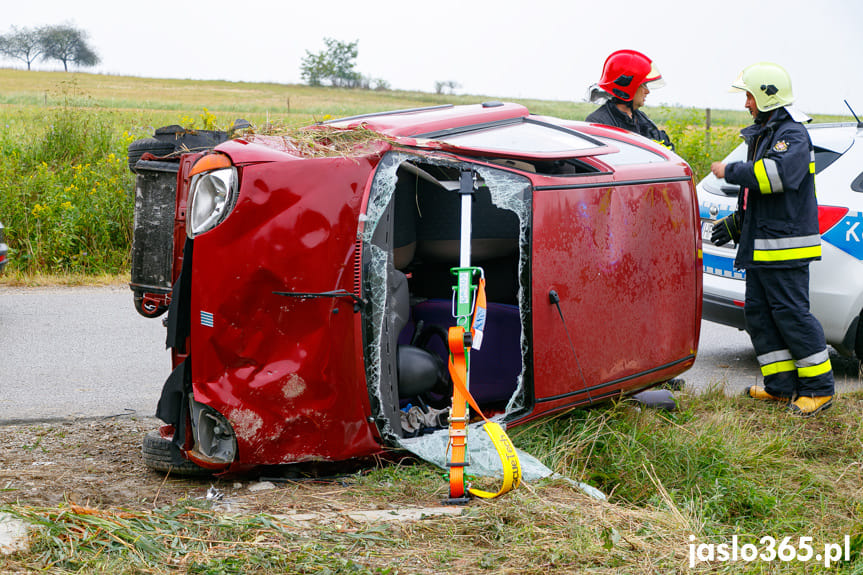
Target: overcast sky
{"type": "Point", "coordinates": [544, 49]}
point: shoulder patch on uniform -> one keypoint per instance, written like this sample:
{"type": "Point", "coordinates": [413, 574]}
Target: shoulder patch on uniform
{"type": "Point", "coordinates": [780, 146]}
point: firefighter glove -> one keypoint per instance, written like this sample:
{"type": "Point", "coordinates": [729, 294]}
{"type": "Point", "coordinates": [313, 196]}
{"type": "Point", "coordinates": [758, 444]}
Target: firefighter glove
{"type": "Point", "coordinates": [726, 230]}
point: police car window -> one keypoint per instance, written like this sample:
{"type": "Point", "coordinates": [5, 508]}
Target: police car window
{"type": "Point", "coordinates": [628, 154]}
{"type": "Point", "coordinates": [824, 158]}
{"type": "Point", "coordinates": [857, 184]}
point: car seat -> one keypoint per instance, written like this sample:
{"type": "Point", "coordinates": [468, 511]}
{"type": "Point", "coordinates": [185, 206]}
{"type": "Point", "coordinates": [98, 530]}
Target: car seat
{"type": "Point", "coordinates": [419, 371]}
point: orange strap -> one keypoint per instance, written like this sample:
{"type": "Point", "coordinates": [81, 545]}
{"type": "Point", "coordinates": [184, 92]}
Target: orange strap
{"type": "Point", "coordinates": [458, 412]}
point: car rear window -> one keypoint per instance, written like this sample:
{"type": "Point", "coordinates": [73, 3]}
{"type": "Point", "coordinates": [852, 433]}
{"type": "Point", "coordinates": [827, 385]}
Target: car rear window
{"type": "Point", "coordinates": [629, 154]}
{"type": "Point", "coordinates": [824, 157]}
{"type": "Point", "coordinates": [522, 137]}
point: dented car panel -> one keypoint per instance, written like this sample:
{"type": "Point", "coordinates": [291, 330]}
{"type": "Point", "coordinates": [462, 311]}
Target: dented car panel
{"type": "Point", "coordinates": [309, 316]}
{"type": "Point", "coordinates": [285, 371]}
{"type": "Point", "coordinates": [617, 290]}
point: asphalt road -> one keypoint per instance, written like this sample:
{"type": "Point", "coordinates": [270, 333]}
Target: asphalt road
{"type": "Point", "coordinates": [84, 352]}
{"type": "Point", "coordinates": [78, 352]}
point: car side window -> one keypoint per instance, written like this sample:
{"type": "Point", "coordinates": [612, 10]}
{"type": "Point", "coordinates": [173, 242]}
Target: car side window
{"type": "Point", "coordinates": [857, 184]}
{"type": "Point", "coordinates": [824, 158]}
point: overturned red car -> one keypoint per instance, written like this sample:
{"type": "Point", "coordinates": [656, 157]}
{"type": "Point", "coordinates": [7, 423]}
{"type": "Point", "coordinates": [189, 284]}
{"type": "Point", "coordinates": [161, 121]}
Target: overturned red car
{"type": "Point", "coordinates": [310, 277]}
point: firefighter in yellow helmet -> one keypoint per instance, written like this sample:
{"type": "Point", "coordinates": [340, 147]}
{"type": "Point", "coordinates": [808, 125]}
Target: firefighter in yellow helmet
{"type": "Point", "coordinates": [627, 78]}
{"type": "Point", "coordinates": [775, 227]}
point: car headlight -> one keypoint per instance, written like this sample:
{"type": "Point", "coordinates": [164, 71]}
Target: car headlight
{"type": "Point", "coordinates": [212, 193]}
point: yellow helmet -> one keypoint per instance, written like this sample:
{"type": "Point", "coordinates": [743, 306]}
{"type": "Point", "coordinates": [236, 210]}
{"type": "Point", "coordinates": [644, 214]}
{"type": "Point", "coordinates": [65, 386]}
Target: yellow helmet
{"type": "Point", "coordinates": [768, 83]}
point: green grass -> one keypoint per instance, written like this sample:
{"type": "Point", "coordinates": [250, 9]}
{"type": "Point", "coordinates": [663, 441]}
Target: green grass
{"type": "Point", "coordinates": [717, 468]}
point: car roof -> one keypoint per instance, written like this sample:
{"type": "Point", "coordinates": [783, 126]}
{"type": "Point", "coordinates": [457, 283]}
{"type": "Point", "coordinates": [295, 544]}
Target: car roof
{"type": "Point", "coordinates": [416, 121]}
{"type": "Point", "coordinates": [497, 128]}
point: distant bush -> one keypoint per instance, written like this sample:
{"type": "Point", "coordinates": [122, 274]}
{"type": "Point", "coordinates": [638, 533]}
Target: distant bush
{"type": "Point", "coordinates": [695, 144]}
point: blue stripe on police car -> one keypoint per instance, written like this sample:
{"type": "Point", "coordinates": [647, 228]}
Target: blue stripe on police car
{"type": "Point", "coordinates": [847, 235]}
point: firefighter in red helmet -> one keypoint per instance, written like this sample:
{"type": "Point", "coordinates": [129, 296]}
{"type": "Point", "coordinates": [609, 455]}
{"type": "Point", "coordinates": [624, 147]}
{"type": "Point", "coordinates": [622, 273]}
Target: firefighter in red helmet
{"type": "Point", "coordinates": [627, 78]}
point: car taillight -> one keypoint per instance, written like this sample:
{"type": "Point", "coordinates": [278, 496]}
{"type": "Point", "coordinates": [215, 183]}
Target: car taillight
{"type": "Point", "coordinates": [829, 216]}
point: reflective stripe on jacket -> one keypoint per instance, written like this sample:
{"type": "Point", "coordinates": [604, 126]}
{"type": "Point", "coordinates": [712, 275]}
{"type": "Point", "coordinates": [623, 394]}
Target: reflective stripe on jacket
{"type": "Point", "coordinates": [776, 204]}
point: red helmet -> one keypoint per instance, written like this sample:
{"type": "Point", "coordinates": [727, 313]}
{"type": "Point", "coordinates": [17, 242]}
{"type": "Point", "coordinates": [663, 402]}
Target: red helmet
{"type": "Point", "coordinates": [625, 70]}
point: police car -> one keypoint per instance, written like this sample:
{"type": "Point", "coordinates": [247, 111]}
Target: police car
{"type": "Point", "coordinates": [836, 281]}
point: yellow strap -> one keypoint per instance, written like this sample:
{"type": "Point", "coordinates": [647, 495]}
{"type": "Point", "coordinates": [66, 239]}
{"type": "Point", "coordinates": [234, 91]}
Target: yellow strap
{"type": "Point", "coordinates": [508, 457]}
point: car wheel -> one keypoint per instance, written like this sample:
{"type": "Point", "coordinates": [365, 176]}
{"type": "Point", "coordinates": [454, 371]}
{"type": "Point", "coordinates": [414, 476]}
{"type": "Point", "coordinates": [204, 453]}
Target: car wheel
{"type": "Point", "coordinates": [148, 145]}
{"type": "Point", "coordinates": [159, 453]}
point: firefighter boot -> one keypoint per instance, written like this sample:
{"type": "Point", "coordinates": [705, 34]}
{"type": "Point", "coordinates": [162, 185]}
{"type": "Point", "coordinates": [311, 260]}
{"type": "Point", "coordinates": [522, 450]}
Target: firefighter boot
{"type": "Point", "coordinates": [808, 406]}
{"type": "Point", "coordinates": [758, 392]}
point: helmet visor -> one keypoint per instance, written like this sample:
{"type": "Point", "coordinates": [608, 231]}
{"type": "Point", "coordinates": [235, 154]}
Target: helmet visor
{"type": "Point", "coordinates": [738, 85]}
{"type": "Point", "coordinates": [654, 79]}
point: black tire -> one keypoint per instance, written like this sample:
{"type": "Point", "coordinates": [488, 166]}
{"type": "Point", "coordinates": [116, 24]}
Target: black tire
{"type": "Point", "coordinates": [159, 453]}
{"type": "Point", "coordinates": [156, 147]}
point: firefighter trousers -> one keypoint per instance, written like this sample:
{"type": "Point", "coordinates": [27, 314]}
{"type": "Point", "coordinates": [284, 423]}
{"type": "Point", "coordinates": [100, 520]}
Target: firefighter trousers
{"type": "Point", "coordinates": [788, 340]}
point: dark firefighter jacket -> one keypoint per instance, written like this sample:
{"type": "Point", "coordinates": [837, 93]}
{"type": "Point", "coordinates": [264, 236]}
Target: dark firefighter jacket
{"type": "Point", "coordinates": [609, 115]}
{"type": "Point", "coordinates": [776, 205]}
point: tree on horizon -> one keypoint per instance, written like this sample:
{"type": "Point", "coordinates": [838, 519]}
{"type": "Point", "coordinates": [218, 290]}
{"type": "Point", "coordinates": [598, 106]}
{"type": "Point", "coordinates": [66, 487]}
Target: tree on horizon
{"type": "Point", "coordinates": [63, 43]}
{"type": "Point", "coordinates": [23, 44]}
{"type": "Point", "coordinates": [335, 64]}
{"type": "Point", "coordinates": [68, 45]}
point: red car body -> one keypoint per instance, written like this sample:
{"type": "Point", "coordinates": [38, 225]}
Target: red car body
{"type": "Point", "coordinates": [286, 326]}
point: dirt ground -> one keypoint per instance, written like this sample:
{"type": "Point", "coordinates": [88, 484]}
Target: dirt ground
{"type": "Point", "coordinates": [97, 463]}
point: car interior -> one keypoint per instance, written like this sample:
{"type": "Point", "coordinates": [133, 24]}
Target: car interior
{"type": "Point", "coordinates": [419, 231]}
